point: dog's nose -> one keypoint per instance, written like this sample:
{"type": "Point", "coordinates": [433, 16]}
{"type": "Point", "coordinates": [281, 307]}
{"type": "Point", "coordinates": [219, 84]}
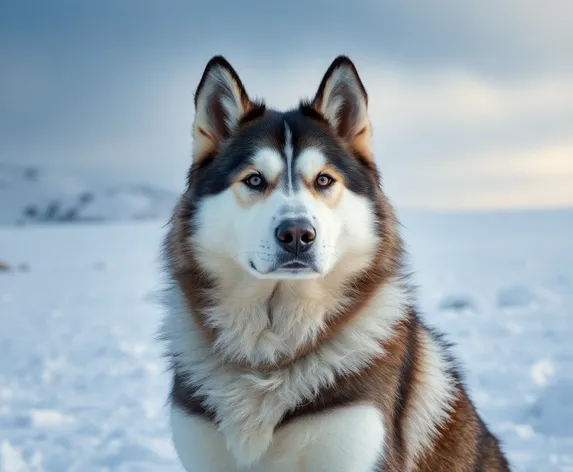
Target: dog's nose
{"type": "Point", "coordinates": [295, 235]}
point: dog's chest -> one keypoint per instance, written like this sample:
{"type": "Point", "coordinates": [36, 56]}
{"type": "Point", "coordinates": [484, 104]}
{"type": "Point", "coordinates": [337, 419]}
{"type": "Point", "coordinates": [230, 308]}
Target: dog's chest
{"type": "Point", "coordinates": [245, 406]}
{"type": "Point", "coordinates": [252, 409]}
{"type": "Point", "coordinates": [350, 438]}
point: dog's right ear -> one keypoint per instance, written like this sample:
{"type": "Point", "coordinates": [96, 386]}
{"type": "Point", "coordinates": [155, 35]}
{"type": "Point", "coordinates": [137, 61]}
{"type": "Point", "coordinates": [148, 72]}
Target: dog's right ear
{"type": "Point", "coordinates": [342, 100]}
{"type": "Point", "coordinates": [220, 103]}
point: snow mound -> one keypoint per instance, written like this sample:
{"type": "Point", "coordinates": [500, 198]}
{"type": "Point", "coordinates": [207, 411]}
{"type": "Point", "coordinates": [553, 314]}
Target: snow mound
{"type": "Point", "coordinates": [30, 195]}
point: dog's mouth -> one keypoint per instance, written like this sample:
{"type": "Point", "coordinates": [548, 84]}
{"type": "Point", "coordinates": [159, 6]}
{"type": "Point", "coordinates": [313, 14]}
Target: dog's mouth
{"type": "Point", "coordinates": [296, 268]}
{"type": "Point", "coordinates": [295, 265]}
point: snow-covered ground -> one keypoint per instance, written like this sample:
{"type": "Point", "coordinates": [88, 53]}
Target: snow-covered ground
{"type": "Point", "coordinates": [82, 383]}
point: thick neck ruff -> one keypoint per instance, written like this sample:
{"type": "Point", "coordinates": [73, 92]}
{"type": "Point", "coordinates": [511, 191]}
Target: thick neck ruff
{"type": "Point", "coordinates": [248, 404]}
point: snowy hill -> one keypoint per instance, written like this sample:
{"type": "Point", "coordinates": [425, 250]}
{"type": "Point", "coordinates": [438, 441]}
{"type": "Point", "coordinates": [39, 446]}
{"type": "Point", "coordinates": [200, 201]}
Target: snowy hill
{"type": "Point", "coordinates": [30, 195]}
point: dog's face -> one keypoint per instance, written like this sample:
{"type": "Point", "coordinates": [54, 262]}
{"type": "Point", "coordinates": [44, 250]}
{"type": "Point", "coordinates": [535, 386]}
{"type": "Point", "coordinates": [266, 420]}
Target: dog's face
{"type": "Point", "coordinates": [283, 195]}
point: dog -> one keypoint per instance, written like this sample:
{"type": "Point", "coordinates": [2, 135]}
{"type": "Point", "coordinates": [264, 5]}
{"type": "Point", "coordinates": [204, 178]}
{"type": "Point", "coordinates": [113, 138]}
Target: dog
{"type": "Point", "coordinates": [290, 325]}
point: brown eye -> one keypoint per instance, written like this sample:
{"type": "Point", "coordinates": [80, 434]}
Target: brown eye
{"type": "Point", "coordinates": [324, 181]}
{"type": "Point", "coordinates": [254, 181]}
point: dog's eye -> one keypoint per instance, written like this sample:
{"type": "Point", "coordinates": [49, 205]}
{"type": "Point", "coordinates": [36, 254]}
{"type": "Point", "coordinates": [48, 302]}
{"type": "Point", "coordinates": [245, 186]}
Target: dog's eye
{"type": "Point", "coordinates": [254, 181]}
{"type": "Point", "coordinates": [324, 181]}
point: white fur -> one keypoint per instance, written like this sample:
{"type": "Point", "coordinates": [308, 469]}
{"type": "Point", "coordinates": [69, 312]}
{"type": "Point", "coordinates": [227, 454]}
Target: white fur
{"type": "Point", "coordinates": [269, 162]}
{"type": "Point", "coordinates": [432, 399]}
{"type": "Point", "coordinates": [289, 157]}
{"type": "Point", "coordinates": [350, 226]}
{"type": "Point", "coordinates": [350, 439]}
{"type": "Point", "coordinates": [200, 447]}
{"type": "Point", "coordinates": [248, 404]}
{"type": "Point", "coordinates": [310, 162]}
{"type": "Point", "coordinates": [228, 232]}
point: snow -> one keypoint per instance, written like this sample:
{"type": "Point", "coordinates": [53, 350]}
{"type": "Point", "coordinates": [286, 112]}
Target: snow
{"type": "Point", "coordinates": [33, 195]}
{"type": "Point", "coordinates": [83, 385]}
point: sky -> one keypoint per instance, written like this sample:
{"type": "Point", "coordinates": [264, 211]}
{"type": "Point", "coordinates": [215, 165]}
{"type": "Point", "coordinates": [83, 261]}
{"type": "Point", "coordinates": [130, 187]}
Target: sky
{"type": "Point", "coordinates": [471, 102]}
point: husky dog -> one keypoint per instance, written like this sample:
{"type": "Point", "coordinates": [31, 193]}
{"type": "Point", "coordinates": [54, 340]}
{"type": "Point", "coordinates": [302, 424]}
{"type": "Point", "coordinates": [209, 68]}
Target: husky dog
{"type": "Point", "coordinates": [291, 328]}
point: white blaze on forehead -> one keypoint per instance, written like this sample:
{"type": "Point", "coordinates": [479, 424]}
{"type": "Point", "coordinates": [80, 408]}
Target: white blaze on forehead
{"type": "Point", "coordinates": [289, 150]}
{"type": "Point", "coordinates": [310, 162]}
{"type": "Point", "coordinates": [269, 162]}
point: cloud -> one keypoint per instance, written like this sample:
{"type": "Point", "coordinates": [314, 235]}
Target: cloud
{"type": "Point", "coordinates": [450, 138]}
{"type": "Point", "coordinates": [520, 178]}
{"type": "Point", "coordinates": [458, 91]}
{"type": "Point", "coordinates": [492, 36]}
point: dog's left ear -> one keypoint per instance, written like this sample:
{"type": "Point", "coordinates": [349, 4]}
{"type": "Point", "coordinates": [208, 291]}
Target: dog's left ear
{"type": "Point", "coordinates": [342, 100]}
{"type": "Point", "coordinates": [220, 102]}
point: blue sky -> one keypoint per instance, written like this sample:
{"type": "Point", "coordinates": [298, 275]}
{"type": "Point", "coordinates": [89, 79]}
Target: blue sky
{"type": "Point", "coordinates": [471, 102]}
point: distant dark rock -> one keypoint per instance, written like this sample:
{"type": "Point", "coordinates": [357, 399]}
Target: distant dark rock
{"type": "Point", "coordinates": [31, 212]}
{"type": "Point", "coordinates": [52, 211]}
{"type": "Point", "coordinates": [69, 215]}
{"type": "Point", "coordinates": [31, 173]}
{"type": "Point", "coordinates": [456, 303]}
{"type": "Point", "coordinates": [4, 266]}
{"type": "Point", "coordinates": [37, 196]}
{"type": "Point", "coordinates": [86, 197]}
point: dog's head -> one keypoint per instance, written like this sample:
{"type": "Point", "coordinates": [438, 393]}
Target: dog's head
{"type": "Point", "coordinates": [283, 195]}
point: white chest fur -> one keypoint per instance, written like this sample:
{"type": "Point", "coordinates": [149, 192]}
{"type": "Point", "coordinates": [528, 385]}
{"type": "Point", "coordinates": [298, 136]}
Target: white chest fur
{"type": "Point", "coordinates": [248, 405]}
{"type": "Point", "coordinates": [349, 439]}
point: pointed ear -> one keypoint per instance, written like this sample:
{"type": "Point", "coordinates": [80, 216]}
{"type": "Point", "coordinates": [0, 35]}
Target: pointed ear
{"type": "Point", "coordinates": [342, 100]}
{"type": "Point", "coordinates": [220, 103]}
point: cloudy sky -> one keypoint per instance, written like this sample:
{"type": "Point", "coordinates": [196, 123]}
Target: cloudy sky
{"type": "Point", "coordinates": [471, 102]}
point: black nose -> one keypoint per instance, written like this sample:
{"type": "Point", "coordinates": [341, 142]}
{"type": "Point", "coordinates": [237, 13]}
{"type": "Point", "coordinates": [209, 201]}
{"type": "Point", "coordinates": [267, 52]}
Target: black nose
{"type": "Point", "coordinates": [295, 235]}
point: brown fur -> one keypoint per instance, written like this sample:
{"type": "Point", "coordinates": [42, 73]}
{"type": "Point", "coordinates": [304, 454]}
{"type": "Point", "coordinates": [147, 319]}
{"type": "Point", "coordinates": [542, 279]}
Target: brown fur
{"type": "Point", "coordinates": [464, 444]}
{"type": "Point", "coordinates": [390, 382]}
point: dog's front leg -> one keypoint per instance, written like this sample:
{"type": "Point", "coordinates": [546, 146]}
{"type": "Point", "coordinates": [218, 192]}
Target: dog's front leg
{"type": "Point", "coordinates": [198, 443]}
{"type": "Point", "coordinates": [348, 439]}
